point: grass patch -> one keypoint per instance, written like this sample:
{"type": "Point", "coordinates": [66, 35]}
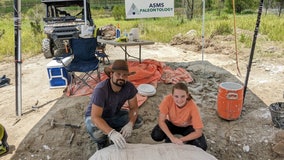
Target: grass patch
{"type": "Point", "coordinates": [246, 40]}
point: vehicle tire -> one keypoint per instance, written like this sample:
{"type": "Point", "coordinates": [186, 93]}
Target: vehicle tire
{"type": "Point", "coordinates": [47, 48]}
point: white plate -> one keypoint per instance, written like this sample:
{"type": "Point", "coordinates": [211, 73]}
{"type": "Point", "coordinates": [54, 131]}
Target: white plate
{"type": "Point", "coordinates": [146, 90]}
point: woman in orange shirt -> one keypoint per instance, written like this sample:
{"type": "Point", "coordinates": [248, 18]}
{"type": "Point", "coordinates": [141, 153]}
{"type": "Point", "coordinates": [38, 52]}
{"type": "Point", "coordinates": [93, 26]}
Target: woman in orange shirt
{"type": "Point", "coordinates": [179, 115]}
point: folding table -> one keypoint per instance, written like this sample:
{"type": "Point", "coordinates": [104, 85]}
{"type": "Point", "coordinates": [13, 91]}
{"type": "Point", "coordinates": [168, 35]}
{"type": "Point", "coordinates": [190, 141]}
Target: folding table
{"type": "Point", "coordinates": [124, 45]}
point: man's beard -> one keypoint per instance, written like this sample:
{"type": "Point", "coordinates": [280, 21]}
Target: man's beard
{"type": "Point", "coordinates": [119, 82]}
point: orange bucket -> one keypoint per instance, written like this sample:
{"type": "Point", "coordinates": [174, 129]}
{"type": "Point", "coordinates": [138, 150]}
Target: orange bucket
{"type": "Point", "coordinates": [230, 100]}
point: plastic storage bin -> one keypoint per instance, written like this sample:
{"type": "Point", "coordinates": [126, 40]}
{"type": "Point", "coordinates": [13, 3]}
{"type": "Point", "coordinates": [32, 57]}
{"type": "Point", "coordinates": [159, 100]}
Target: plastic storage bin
{"type": "Point", "coordinates": [57, 74]}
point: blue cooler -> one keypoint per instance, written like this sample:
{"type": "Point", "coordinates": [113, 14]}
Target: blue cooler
{"type": "Point", "coordinates": [57, 74]}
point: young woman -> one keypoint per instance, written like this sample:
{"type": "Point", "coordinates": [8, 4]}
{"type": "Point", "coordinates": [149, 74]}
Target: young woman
{"type": "Point", "coordinates": [179, 115]}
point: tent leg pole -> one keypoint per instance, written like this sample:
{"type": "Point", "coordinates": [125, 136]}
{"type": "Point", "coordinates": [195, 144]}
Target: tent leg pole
{"type": "Point", "coordinates": [253, 46]}
{"type": "Point", "coordinates": [18, 56]}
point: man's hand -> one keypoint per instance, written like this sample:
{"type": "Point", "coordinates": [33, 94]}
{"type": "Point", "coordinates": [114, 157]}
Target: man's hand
{"type": "Point", "coordinates": [127, 130]}
{"type": "Point", "coordinates": [117, 139]}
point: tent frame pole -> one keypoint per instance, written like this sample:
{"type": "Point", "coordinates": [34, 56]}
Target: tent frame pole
{"type": "Point", "coordinates": [18, 56]}
{"type": "Point", "coordinates": [253, 46]}
{"type": "Point", "coordinates": [203, 26]}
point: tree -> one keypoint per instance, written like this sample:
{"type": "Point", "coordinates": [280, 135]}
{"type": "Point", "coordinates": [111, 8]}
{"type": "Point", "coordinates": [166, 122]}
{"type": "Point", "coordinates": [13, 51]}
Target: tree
{"type": "Point", "coordinates": [220, 6]}
{"type": "Point", "coordinates": [241, 5]}
{"type": "Point", "coordinates": [189, 6]}
{"type": "Point", "coordinates": [280, 6]}
{"type": "Point", "coordinates": [267, 4]}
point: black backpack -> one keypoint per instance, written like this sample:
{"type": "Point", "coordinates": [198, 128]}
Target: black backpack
{"type": "Point", "coordinates": [4, 147]}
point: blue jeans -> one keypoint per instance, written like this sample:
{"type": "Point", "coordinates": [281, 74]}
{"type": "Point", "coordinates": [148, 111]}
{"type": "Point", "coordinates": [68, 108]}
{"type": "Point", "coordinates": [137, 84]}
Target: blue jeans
{"type": "Point", "coordinates": [116, 122]}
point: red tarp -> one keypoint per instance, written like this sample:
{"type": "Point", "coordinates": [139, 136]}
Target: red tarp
{"type": "Point", "coordinates": [147, 72]}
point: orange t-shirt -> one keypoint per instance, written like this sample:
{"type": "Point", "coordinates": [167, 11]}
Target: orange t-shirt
{"type": "Point", "coordinates": [182, 117]}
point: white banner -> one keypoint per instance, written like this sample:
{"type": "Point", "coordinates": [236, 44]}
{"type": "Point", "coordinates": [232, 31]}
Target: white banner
{"type": "Point", "coordinates": [149, 8]}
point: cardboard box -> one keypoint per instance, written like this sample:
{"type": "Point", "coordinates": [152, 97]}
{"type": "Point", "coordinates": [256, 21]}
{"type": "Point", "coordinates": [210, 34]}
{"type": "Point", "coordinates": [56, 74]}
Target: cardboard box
{"type": "Point", "coordinates": [57, 74]}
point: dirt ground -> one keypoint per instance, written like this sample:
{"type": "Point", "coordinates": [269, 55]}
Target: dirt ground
{"type": "Point", "coordinates": [252, 136]}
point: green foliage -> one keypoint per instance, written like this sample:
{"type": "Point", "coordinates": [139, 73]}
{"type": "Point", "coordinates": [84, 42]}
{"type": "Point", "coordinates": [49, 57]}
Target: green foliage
{"type": "Point", "coordinates": [241, 5]}
{"type": "Point", "coordinates": [118, 12]}
{"type": "Point", "coordinates": [36, 27]}
{"type": "Point", "coordinates": [7, 38]}
{"type": "Point", "coordinates": [248, 11]}
{"type": "Point", "coordinates": [273, 27]}
{"type": "Point", "coordinates": [35, 17]}
{"type": "Point", "coordinates": [30, 42]}
{"type": "Point", "coordinates": [223, 17]}
{"type": "Point", "coordinates": [179, 14]}
{"type": "Point", "coordinates": [245, 39]}
{"type": "Point", "coordinates": [242, 38]}
{"type": "Point", "coordinates": [7, 6]}
{"type": "Point", "coordinates": [100, 13]}
{"type": "Point", "coordinates": [222, 29]}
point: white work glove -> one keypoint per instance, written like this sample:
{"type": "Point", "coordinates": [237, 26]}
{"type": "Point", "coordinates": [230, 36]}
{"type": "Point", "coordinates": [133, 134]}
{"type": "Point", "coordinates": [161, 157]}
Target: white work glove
{"type": "Point", "coordinates": [117, 139]}
{"type": "Point", "coordinates": [127, 130]}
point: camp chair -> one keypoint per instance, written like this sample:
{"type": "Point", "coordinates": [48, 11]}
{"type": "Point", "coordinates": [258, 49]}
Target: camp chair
{"type": "Point", "coordinates": [84, 62]}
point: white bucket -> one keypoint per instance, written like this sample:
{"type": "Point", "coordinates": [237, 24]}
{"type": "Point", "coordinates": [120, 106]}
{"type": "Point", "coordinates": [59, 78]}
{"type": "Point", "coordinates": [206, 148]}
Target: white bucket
{"type": "Point", "coordinates": [135, 33]}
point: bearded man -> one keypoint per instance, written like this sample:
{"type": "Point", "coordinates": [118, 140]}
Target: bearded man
{"type": "Point", "coordinates": [104, 118]}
